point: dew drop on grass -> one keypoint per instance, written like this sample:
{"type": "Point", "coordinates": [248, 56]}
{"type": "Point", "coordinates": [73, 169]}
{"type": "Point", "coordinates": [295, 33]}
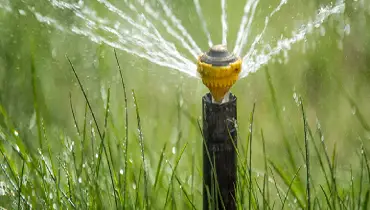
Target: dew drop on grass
{"type": "Point", "coordinates": [96, 155]}
{"type": "Point", "coordinates": [173, 150]}
{"type": "Point", "coordinates": [54, 206]}
{"type": "Point", "coordinates": [79, 180]}
{"type": "Point", "coordinates": [16, 133]}
{"type": "Point", "coordinates": [296, 98]}
{"type": "Point", "coordinates": [121, 171]}
{"type": "Point", "coordinates": [16, 148]}
{"type": "Point", "coordinates": [51, 195]}
{"type": "Point", "coordinates": [2, 189]}
{"type": "Point", "coordinates": [353, 110]}
{"type": "Point", "coordinates": [134, 186]}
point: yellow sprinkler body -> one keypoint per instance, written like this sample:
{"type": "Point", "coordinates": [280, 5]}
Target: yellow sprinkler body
{"type": "Point", "coordinates": [219, 70]}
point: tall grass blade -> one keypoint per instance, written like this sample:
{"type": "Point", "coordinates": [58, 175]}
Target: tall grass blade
{"type": "Point", "coordinates": [266, 176]}
{"type": "Point", "coordinates": [157, 174]}
{"type": "Point", "coordinates": [290, 187]}
{"type": "Point", "coordinates": [126, 126]}
{"type": "Point", "coordinates": [328, 202]}
{"type": "Point", "coordinates": [174, 170]}
{"type": "Point", "coordinates": [20, 187]}
{"type": "Point", "coordinates": [308, 176]}
{"type": "Point", "coordinates": [141, 142]}
{"type": "Point", "coordinates": [250, 157]}
{"type": "Point", "coordinates": [276, 186]}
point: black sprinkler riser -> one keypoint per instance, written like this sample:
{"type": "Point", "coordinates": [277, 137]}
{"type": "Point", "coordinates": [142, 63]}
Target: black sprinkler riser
{"type": "Point", "coordinates": [219, 132]}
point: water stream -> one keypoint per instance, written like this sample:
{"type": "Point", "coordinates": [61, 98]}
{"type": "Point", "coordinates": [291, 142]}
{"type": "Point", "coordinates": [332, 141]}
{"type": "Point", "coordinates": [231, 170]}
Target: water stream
{"type": "Point", "coordinates": [137, 30]}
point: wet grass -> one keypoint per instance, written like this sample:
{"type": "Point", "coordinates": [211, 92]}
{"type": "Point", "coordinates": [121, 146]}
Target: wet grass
{"type": "Point", "coordinates": [96, 169]}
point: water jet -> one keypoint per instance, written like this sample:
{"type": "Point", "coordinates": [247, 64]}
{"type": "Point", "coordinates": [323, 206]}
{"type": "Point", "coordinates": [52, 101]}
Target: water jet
{"type": "Point", "coordinates": [219, 70]}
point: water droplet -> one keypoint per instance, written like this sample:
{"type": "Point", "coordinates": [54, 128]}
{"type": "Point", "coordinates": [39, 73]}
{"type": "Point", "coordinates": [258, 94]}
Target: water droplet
{"type": "Point", "coordinates": [55, 206]}
{"type": "Point", "coordinates": [134, 186]}
{"type": "Point", "coordinates": [96, 155]}
{"type": "Point", "coordinates": [83, 165]}
{"type": "Point", "coordinates": [353, 110]}
{"type": "Point", "coordinates": [79, 180]}
{"type": "Point", "coordinates": [2, 188]}
{"type": "Point", "coordinates": [51, 195]}
{"type": "Point", "coordinates": [173, 150]}
{"type": "Point", "coordinates": [16, 133]}
{"type": "Point", "coordinates": [121, 171]}
{"type": "Point", "coordinates": [295, 97]}
{"type": "Point", "coordinates": [22, 12]}
{"type": "Point", "coordinates": [16, 148]}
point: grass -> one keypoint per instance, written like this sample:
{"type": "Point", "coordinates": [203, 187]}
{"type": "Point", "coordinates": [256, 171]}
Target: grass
{"type": "Point", "coordinates": [106, 130]}
{"type": "Point", "coordinates": [73, 179]}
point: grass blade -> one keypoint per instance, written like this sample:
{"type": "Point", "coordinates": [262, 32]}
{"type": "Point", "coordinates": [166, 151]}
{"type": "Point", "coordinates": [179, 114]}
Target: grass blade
{"type": "Point", "coordinates": [250, 157]}
{"type": "Point", "coordinates": [141, 142]}
{"type": "Point", "coordinates": [290, 187]}
{"type": "Point", "coordinates": [126, 128]}
{"type": "Point", "coordinates": [159, 166]}
{"type": "Point", "coordinates": [308, 177]}
{"type": "Point", "coordinates": [20, 187]}
{"type": "Point", "coordinates": [174, 170]}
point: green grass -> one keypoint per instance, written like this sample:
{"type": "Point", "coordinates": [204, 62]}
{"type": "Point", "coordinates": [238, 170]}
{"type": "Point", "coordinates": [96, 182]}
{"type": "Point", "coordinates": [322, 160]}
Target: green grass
{"type": "Point", "coordinates": [119, 132]}
{"type": "Point", "coordinates": [74, 179]}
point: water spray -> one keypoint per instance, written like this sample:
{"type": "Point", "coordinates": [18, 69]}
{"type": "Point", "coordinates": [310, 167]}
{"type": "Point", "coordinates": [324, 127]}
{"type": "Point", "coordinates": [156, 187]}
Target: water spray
{"type": "Point", "coordinates": [219, 70]}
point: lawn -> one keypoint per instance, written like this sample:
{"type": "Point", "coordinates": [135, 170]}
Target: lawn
{"type": "Point", "coordinates": [77, 131]}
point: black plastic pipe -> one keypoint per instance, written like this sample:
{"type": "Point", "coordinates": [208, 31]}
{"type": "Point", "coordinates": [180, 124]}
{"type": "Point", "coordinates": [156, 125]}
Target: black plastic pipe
{"type": "Point", "coordinates": [219, 155]}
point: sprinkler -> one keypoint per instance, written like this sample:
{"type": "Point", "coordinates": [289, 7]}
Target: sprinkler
{"type": "Point", "coordinates": [219, 70]}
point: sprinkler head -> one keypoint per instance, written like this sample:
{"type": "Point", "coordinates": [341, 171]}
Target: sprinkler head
{"type": "Point", "coordinates": [219, 70]}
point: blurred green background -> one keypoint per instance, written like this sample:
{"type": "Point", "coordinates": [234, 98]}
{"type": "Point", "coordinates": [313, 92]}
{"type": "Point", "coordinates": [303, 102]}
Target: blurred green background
{"type": "Point", "coordinates": [329, 70]}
